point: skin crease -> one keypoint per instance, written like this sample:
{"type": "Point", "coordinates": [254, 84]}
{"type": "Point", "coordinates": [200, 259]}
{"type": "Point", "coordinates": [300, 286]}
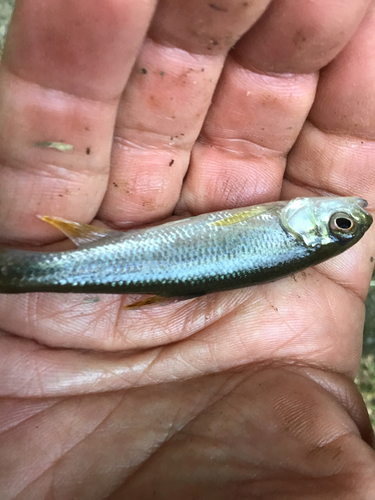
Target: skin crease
{"type": "Point", "coordinates": [239, 395]}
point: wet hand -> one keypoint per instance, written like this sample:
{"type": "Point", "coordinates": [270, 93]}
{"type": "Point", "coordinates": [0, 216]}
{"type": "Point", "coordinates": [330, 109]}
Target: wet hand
{"type": "Point", "coordinates": [130, 113]}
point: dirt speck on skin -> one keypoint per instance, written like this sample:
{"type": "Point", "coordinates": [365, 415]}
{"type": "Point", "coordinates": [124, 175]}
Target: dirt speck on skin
{"type": "Point", "coordinates": [171, 162]}
{"type": "Point", "coordinates": [88, 151]}
{"type": "Point", "coordinates": [214, 42]}
{"type": "Point", "coordinates": [299, 39]}
{"type": "Point", "coordinates": [115, 185]}
{"type": "Point", "coordinates": [371, 259]}
{"type": "Point", "coordinates": [148, 204]}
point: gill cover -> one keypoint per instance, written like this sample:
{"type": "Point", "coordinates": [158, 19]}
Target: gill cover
{"type": "Point", "coordinates": [308, 219]}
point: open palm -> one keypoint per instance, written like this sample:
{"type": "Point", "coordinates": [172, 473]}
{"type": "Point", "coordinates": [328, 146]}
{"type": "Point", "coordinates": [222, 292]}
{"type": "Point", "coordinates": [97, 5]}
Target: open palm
{"type": "Point", "coordinates": [244, 394]}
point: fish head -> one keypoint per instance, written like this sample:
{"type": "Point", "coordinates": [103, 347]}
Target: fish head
{"type": "Point", "coordinates": [324, 220]}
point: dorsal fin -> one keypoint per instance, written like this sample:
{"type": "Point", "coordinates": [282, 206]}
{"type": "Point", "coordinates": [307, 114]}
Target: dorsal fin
{"type": "Point", "coordinates": [80, 234]}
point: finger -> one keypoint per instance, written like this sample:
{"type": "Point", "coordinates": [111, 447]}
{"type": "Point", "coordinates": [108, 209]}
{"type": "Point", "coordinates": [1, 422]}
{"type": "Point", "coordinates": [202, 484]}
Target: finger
{"type": "Point", "coordinates": [166, 101]}
{"type": "Point", "coordinates": [275, 435]}
{"type": "Point", "coordinates": [240, 157]}
{"type": "Point", "coordinates": [100, 322]}
{"type": "Point", "coordinates": [264, 96]}
{"type": "Point", "coordinates": [87, 425]}
{"type": "Point", "coordinates": [62, 74]}
{"type": "Point", "coordinates": [336, 148]}
{"type": "Point", "coordinates": [282, 437]}
{"type": "Point", "coordinates": [295, 37]}
{"type": "Point", "coordinates": [335, 151]}
{"type": "Point", "coordinates": [158, 347]}
{"type": "Point", "coordinates": [162, 440]}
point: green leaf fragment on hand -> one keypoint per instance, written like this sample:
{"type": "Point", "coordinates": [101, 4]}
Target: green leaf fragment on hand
{"type": "Point", "coordinates": [60, 146]}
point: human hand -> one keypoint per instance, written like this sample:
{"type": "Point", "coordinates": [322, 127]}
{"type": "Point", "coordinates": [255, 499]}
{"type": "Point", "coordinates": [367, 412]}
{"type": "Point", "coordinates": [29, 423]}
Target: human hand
{"type": "Point", "coordinates": [245, 394]}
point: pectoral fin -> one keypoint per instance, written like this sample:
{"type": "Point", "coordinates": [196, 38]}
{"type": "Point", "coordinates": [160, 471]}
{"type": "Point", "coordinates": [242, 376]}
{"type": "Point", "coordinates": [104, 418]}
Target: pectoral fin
{"type": "Point", "coordinates": [79, 233]}
{"type": "Point", "coordinates": [241, 216]}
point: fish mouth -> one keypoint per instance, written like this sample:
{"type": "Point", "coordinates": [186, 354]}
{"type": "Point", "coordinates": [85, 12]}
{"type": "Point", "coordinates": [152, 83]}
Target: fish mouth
{"type": "Point", "coordinates": [361, 202]}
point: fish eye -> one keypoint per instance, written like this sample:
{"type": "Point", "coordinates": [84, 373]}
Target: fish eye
{"type": "Point", "coordinates": [342, 223]}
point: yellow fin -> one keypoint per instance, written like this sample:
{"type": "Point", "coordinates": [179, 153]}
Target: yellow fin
{"type": "Point", "coordinates": [79, 233]}
{"type": "Point", "coordinates": [155, 300]}
{"type": "Point", "coordinates": [240, 216]}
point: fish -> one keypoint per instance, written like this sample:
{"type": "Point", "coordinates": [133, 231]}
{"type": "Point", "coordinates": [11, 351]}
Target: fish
{"type": "Point", "coordinates": [190, 257]}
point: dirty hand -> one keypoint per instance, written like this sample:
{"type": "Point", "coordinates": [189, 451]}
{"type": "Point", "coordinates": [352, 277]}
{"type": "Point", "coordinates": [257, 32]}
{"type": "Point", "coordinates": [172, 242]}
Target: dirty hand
{"type": "Point", "coordinates": [130, 112]}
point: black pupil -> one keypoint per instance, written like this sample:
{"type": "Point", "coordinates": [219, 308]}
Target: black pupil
{"type": "Point", "coordinates": [343, 223]}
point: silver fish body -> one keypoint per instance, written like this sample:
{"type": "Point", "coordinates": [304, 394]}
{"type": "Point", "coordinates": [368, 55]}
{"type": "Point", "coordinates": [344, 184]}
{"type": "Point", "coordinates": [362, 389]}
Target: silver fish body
{"type": "Point", "coordinates": [199, 255]}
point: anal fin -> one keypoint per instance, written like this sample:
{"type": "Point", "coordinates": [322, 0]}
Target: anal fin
{"type": "Point", "coordinates": [155, 300]}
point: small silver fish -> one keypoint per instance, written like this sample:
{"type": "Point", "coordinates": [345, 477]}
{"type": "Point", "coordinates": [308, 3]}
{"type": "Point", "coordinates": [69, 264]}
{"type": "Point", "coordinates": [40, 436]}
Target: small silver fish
{"type": "Point", "coordinates": [195, 256]}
